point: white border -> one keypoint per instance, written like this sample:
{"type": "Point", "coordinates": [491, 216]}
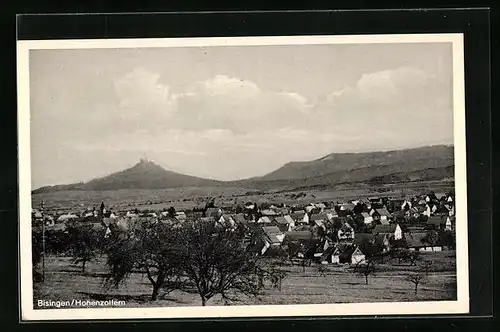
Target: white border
{"type": "Point", "coordinates": [390, 308]}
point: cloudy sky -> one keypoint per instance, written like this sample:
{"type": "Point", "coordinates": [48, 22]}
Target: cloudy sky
{"type": "Point", "coordinates": [232, 112]}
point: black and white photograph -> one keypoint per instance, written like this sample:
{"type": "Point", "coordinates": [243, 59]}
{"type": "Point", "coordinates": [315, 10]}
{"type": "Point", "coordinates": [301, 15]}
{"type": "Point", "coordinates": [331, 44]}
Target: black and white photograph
{"type": "Point", "coordinates": [242, 176]}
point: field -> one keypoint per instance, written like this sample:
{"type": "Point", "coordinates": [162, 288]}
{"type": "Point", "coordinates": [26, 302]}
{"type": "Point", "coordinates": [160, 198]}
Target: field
{"type": "Point", "coordinates": [337, 285]}
{"type": "Point", "coordinates": [188, 198]}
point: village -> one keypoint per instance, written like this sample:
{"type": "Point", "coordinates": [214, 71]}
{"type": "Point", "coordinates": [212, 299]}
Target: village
{"type": "Point", "coordinates": [346, 232]}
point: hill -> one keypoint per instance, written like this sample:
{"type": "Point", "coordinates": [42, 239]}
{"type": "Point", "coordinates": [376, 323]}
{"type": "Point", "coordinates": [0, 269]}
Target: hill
{"type": "Point", "coordinates": [392, 162]}
{"type": "Point", "coordinates": [419, 164]}
{"type": "Point", "coordinates": [144, 175]}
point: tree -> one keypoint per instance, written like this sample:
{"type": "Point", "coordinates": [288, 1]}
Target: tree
{"type": "Point", "coordinates": [216, 262]}
{"type": "Point", "coordinates": [358, 223]}
{"type": "Point", "coordinates": [416, 279]}
{"type": "Point", "coordinates": [365, 268]}
{"type": "Point", "coordinates": [277, 274]}
{"type": "Point", "coordinates": [322, 269]}
{"type": "Point", "coordinates": [36, 254]}
{"type": "Point", "coordinates": [171, 212]}
{"type": "Point", "coordinates": [427, 265]}
{"type": "Point", "coordinates": [84, 243]}
{"type": "Point", "coordinates": [153, 252]}
{"type": "Point", "coordinates": [292, 249]}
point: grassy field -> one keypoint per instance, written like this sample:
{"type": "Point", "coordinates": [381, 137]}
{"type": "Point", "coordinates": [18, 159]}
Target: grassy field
{"type": "Point", "coordinates": [337, 285]}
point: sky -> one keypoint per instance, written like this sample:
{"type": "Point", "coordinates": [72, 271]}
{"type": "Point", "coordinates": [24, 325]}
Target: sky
{"type": "Point", "coordinates": [232, 112]}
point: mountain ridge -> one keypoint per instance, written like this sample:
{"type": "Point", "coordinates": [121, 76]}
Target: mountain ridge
{"type": "Point", "coordinates": [331, 169]}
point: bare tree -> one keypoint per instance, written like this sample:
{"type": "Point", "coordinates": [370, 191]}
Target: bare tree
{"type": "Point", "coordinates": [216, 262]}
{"type": "Point", "coordinates": [416, 279]}
{"type": "Point", "coordinates": [276, 273]}
{"type": "Point", "coordinates": [427, 266]}
{"type": "Point", "coordinates": [84, 243]}
{"type": "Point", "coordinates": [365, 268]}
{"type": "Point", "coordinates": [152, 251]}
{"type": "Point", "coordinates": [322, 270]}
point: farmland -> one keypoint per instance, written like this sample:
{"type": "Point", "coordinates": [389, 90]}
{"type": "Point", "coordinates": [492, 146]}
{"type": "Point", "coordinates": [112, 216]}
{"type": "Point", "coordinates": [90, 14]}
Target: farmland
{"type": "Point", "coordinates": [190, 197]}
{"type": "Point", "coordinates": [336, 285]}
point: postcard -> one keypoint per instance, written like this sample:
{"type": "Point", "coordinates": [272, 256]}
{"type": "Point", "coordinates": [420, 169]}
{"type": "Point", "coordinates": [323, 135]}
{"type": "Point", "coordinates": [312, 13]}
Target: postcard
{"type": "Point", "coordinates": [242, 177]}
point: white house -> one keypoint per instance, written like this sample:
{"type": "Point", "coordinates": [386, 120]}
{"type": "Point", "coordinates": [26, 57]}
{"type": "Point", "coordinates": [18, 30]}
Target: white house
{"type": "Point", "coordinates": [264, 220]}
{"type": "Point", "coordinates": [391, 229]}
{"type": "Point", "coordinates": [357, 256]}
{"type": "Point", "coordinates": [427, 211]}
{"type": "Point", "coordinates": [448, 225]}
{"type": "Point", "coordinates": [65, 217]}
{"type": "Point", "coordinates": [227, 220]}
{"type": "Point", "coordinates": [367, 217]}
{"type": "Point", "coordinates": [130, 214]}
{"type": "Point", "coordinates": [346, 232]}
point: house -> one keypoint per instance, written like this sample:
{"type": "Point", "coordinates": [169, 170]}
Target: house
{"type": "Point", "coordinates": [282, 211]}
{"type": "Point", "coordinates": [300, 218]}
{"type": "Point", "coordinates": [375, 200]}
{"type": "Point", "coordinates": [272, 237]}
{"type": "Point", "coordinates": [108, 221]}
{"type": "Point", "coordinates": [321, 206]}
{"type": "Point", "coordinates": [346, 207]}
{"type": "Point", "coordinates": [319, 226]}
{"type": "Point", "coordinates": [180, 215]}
{"type": "Point", "coordinates": [309, 208]}
{"type": "Point", "coordinates": [283, 224]}
{"type": "Point", "coordinates": [249, 206]}
{"type": "Point", "coordinates": [239, 218]}
{"type": "Point", "coordinates": [450, 224]}
{"type": "Point", "coordinates": [298, 236]}
{"type": "Point", "coordinates": [57, 227]}
{"type": "Point", "coordinates": [131, 215]}
{"type": "Point", "coordinates": [436, 223]}
{"type": "Point", "coordinates": [289, 220]}
{"type": "Point", "coordinates": [66, 217]}
{"type": "Point", "coordinates": [418, 210]}
{"type": "Point", "coordinates": [393, 230]}
{"type": "Point", "coordinates": [318, 219]}
{"type": "Point", "coordinates": [347, 254]}
{"type": "Point", "coordinates": [303, 228]}
{"type": "Point", "coordinates": [406, 205]}
{"type": "Point", "coordinates": [367, 218]}
{"type": "Point", "coordinates": [427, 212]}
{"type": "Point", "coordinates": [208, 220]}
{"type": "Point", "coordinates": [36, 214]}
{"type": "Point", "coordinates": [227, 221]}
{"type": "Point", "coordinates": [419, 242]}
{"type": "Point", "coordinates": [372, 243]}
{"type": "Point", "coordinates": [380, 214]}
{"type": "Point", "coordinates": [213, 212]}
{"type": "Point", "coordinates": [451, 210]}
{"type": "Point", "coordinates": [264, 220]}
{"type": "Point", "coordinates": [331, 255]}
{"type": "Point", "coordinates": [330, 214]}
{"type": "Point", "coordinates": [345, 233]}
{"type": "Point", "coordinates": [269, 213]}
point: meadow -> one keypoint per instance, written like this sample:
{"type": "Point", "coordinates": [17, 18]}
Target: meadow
{"type": "Point", "coordinates": [337, 284]}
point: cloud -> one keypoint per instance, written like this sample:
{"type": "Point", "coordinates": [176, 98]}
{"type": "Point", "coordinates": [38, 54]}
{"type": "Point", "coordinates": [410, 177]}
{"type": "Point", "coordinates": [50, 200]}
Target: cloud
{"type": "Point", "coordinates": [229, 128]}
{"type": "Point", "coordinates": [389, 89]}
{"type": "Point", "coordinates": [232, 113]}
